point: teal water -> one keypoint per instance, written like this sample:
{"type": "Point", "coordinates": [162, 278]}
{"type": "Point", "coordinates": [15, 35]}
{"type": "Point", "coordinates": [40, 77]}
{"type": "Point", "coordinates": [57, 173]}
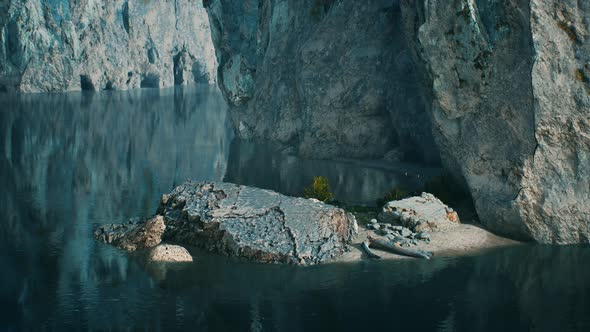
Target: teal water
{"type": "Point", "coordinates": [70, 161]}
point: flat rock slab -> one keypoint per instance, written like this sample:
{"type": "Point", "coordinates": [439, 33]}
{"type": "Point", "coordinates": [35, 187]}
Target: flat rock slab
{"type": "Point", "coordinates": [257, 224]}
{"type": "Point", "coordinates": [170, 253]}
{"type": "Point", "coordinates": [424, 213]}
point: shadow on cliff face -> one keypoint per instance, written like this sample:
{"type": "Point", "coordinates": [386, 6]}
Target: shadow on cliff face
{"type": "Point", "coordinates": [313, 74]}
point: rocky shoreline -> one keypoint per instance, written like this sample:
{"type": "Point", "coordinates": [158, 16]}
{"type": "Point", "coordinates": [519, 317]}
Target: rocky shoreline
{"type": "Point", "coordinates": [264, 226]}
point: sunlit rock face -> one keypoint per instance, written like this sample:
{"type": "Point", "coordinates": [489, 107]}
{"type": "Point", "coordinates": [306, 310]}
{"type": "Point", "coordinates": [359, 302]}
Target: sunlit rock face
{"type": "Point", "coordinates": [334, 78]}
{"type": "Point", "coordinates": [510, 84]}
{"type": "Point", "coordinates": [57, 45]}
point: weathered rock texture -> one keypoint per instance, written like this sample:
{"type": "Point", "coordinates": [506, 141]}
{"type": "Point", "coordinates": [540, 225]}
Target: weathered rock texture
{"type": "Point", "coordinates": [169, 253]}
{"type": "Point", "coordinates": [334, 78]}
{"type": "Point", "coordinates": [503, 86]}
{"type": "Point", "coordinates": [511, 90]}
{"type": "Point", "coordinates": [424, 213]}
{"type": "Point", "coordinates": [134, 235]}
{"type": "Point", "coordinates": [247, 222]}
{"type": "Point", "coordinates": [56, 45]}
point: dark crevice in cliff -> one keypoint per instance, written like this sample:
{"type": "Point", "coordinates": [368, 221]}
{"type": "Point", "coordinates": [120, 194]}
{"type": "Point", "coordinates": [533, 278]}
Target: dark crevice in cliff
{"type": "Point", "coordinates": [150, 81]}
{"type": "Point", "coordinates": [86, 83]}
{"type": "Point", "coordinates": [125, 16]}
{"type": "Point", "coordinates": [12, 43]}
{"type": "Point", "coordinates": [178, 75]}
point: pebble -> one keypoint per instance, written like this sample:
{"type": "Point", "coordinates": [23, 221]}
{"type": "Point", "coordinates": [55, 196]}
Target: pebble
{"type": "Point", "coordinates": [405, 232]}
{"type": "Point", "coordinates": [423, 236]}
{"type": "Point", "coordinates": [373, 221]}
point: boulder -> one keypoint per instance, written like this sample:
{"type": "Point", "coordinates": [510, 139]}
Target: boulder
{"type": "Point", "coordinates": [256, 224]}
{"type": "Point", "coordinates": [170, 253]}
{"type": "Point", "coordinates": [134, 235]}
{"type": "Point", "coordinates": [420, 214]}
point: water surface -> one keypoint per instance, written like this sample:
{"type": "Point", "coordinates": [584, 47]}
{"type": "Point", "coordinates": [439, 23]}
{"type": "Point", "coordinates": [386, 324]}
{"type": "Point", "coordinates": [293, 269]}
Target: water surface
{"type": "Point", "coordinates": [70, 161]}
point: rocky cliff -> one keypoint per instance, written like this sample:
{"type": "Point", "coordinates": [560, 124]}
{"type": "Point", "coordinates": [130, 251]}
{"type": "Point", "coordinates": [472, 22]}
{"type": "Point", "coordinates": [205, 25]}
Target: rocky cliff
{"type": "Point", "coordinates": [500, 88]}
{"type": "Point", "coordinates": [511, 116]}
{"type": "Point", "coordinates": [59, 45]}
{"type": "Point", "coordinates": [334, 78]}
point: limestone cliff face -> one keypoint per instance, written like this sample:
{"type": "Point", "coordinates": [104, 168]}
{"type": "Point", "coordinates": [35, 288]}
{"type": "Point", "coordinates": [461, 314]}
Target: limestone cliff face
{"type": "Point", "coordinates": [511, 112]}
{"type": "Point", "coordinates": [59, 45]}
{"type": "Point", "coordinates": [502, 86]}
{"type": "Point", "coordinates": [334, 78]}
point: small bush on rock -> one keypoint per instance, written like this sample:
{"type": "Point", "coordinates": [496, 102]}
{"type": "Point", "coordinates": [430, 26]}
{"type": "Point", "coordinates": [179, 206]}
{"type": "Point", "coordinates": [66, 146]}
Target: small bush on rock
{"type": "Point", "coordinates": [319, 189]}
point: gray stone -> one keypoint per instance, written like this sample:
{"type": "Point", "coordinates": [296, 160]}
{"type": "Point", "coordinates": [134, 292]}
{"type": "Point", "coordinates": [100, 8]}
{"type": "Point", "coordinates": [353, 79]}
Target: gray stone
{"type": "Point", "coordinates": [422, 213]}
{"type": "Point", "coordinates": [170, 253]}
{"type": "Point", "coordinates": [387, 218]}
{"type": "Point", "coordinates": [405, 232]}
{"type": "Point", "coordinates": [423, 236]}
{"type": "Point", "coordinates": [256, 224]}
{"type": "Point", "coordinates": [385, 231]}
{"type": "Point", "coordinates": [134, 235]}
{"type": "Point", "coordinates": [373, 221]}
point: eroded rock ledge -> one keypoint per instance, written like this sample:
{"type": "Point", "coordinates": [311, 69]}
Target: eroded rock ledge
{"type": "Point", "coordinates": [256, 224]}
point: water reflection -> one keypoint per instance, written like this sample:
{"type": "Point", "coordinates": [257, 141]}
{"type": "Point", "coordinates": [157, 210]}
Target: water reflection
{"type": "Point", "coordinates": [68, 161]}
{"type": "Point", "coordinates": [361, 182]}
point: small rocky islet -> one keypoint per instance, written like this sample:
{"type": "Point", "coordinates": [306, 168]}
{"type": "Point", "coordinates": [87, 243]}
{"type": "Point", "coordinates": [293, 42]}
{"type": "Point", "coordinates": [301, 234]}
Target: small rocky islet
{"type": "Point", "coordinates": [264, 226]}
{"type": "Point", "coordinates": [251, 223]}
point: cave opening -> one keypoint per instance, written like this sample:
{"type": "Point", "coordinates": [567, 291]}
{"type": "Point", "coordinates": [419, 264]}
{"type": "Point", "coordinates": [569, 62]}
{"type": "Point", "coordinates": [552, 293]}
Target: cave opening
{"type": "Point", "coordinates": [150, 81]}
{"type": "Point", "coordinates": [86, 83]}
{"type": "Point", "coordinates": [178, 73]}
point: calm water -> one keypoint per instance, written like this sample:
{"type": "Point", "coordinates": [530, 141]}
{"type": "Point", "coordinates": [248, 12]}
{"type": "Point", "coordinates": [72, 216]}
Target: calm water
{"type": "Point", "coordinates": [69, 161]}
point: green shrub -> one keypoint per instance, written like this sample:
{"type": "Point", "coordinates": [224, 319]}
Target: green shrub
{"type": "Point", "coordinates": [319, 189]}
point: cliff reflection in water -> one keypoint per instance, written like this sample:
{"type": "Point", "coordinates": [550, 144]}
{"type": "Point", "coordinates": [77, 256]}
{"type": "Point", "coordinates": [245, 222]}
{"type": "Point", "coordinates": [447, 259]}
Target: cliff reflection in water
{"type": "Point", "coordinates": [126, 148]}
{"type": "Point", "coordinates": [68, 161]}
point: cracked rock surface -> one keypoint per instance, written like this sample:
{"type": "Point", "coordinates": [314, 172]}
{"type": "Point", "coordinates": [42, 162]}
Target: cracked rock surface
{"type": "Point", "coordinates": [134, 235]}
{"type": "Point", "coordinates": [256, 224]}
{"type": "Point", "coordinates": [424, 213]}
